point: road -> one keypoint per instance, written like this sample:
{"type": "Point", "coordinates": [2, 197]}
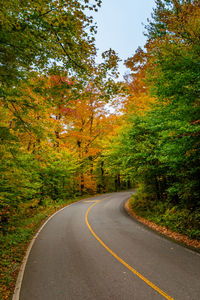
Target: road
{"type": "Point", "coordinates": [92, 250]}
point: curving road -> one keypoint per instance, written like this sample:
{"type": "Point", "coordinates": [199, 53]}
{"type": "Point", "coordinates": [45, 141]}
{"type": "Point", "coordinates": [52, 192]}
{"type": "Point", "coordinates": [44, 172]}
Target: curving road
{"type": "Point", "coordinates": [92, 250]}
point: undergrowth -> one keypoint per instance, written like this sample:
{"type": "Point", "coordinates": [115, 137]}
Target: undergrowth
{"type": "Point", "coordinates": [174, 217]}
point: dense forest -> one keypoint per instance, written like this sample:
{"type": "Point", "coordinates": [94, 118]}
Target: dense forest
{"type": "Point", "coordinates": [58, 138]}
{"type": "Point", "coordinates": [159, 143]}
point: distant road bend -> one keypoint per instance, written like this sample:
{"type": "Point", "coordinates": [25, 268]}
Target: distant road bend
{"type": "Point", "coordinates": [92, 250]}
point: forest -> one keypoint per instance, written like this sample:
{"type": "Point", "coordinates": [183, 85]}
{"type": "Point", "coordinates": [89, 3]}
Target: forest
{"type": "Point", "coordinates": [61, 141]}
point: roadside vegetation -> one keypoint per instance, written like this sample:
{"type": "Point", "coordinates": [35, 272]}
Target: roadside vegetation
{"type": "Point", "coordinates": [58, 139]}
{"type": "Point", "coordinates": [174, 217]}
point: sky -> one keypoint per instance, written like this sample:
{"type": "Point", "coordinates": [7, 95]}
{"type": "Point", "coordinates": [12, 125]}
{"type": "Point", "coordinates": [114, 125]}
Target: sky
{"type": "Point", "coordinates": [120, 26]}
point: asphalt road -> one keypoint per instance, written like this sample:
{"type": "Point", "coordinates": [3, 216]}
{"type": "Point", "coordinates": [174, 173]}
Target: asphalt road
{"type": "Point", "coordinates": [92, 250]}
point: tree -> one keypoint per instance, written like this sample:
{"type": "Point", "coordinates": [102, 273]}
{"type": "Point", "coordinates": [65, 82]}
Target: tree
{"type": "Point", "coordinates": [44, 33]}
{"type": "Point", "coordinates": [44, 36]}
{"type": "Point", "coordinates": [169, 69]}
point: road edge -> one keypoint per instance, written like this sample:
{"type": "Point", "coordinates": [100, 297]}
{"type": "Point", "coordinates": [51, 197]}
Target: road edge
{"type": "Point", "coordinates": [132, 214]}
{"type": "Point", "coordinates": [20, 275]}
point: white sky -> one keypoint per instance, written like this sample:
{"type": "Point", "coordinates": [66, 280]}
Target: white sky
{"type": "Point", "coordinates": [120, 26]}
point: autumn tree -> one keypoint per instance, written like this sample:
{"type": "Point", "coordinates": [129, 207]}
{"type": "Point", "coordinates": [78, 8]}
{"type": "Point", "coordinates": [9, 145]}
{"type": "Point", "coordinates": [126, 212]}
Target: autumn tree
{"type": "Point", "coordinates": [38, 40]}
{"type": "Point", "coordinates": [174, 35]}
{"type": "Point", "coordinates": [160, 144]}
{"type": "Point", "coordinates": [44, 36]}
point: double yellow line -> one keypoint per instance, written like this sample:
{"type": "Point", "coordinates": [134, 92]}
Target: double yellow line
{"type": "Point", "coordinates": [153, 286]}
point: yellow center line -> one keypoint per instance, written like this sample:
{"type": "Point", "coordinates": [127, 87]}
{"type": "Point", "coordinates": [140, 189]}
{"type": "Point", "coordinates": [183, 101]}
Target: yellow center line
{"type": "Point", "coordinates": [121, 260]}
{"type": "Point", "coordinates": [90, 201]}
